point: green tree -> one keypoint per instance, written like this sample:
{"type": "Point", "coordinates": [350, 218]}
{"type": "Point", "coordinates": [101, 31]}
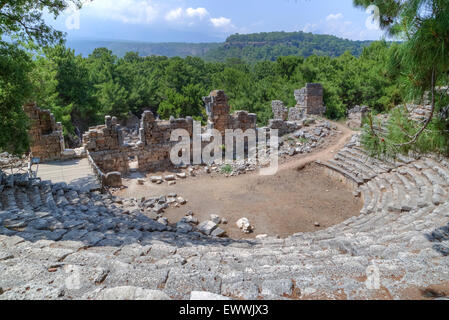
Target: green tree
{"type": "Point", "coordinates": [422, 24]}
{"type": "Point", "coordinates": [15, 88]}
{"type": "Point", "coordinates": [21, 20]}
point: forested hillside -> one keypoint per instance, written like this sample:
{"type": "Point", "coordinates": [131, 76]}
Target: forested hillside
{"type": "Point", "coordinates": [270, 46]}
{"type": "Point", "coordinates": [250, 47]}
{"type": "Point", "coordinates": [80, 91]}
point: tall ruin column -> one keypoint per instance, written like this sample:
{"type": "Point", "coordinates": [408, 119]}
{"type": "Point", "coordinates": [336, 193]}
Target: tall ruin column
{"type": "Point", "coordinates": [310, 99]}
{"type": "Point", "coordinates": [218, 110]}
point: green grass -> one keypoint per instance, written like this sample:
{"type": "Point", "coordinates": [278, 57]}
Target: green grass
{"type": "Point", "coordinates": [227, 169]}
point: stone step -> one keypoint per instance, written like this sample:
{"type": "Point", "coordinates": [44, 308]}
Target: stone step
{"type": "Point", "coordinates": [367, 197]}
{"type": "Point", "coordinates": [9, 199]}
{"type": "Point", "coordinates": [351, 169]}
{"type": "Point", "coordinates": [375, 199]}
{"type": "Point", "coordinates": [22, 199]}
{"type": "Point", "coordinates": [402, 199]}
{"type": "Point", "coordinates": [35, 197]}
{"type": "Point", "coordinates": [385, 164]}
{"type": "Point", "coordinates": [342, 171]}
{"type": "Point", "coordinates": [376, 166]}
{"type": "Point", "coordinates": [370, 169]}
{"type": "Point", "coordinates": [434, 177]}
{"type": "Point", "coordinates": [442, 170]}
{"type": "Point", "coordinates": [412, 193]}
{"type": "Point", "coordinates": [422, 184]}
{"type": "Point", "coordinates": [359, 169]}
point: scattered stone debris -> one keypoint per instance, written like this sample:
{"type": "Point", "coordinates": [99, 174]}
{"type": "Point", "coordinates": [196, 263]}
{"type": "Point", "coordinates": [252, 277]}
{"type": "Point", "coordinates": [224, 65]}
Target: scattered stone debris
{"type": "Point", "coordinates": [207, 227]}
{"type": "Point", "coordinates": [215, 218]}
{"type": "Point", "coordinates": [245, 225]}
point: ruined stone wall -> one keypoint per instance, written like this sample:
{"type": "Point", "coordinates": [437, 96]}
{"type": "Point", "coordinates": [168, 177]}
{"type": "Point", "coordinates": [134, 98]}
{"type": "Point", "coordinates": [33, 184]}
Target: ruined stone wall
{"type": "Point", "coordinates": [310, 98]}
{"type": "Point", "coordinates": [153, 151]}
{"type": "Point", "coordinates": [105, 145]}
{"type": "Point", "coordinates": [158, 132]}
{"type": "Point", "coordinates": [280, 111]}
{"type": "Point", "coordinates": [296, 114]}
{"type": "Point", "coordinates": [46, 137]}
{"type": "Point", "coordinates": [242, 120]}
{"type": "Point", "coordinates": [356, 115]}
{"type": "Point", "coordinates": [284, 127]}
{"type": "Point", "coordinates": [217, 109]}
{"type": "Point", "coordinates": [219, 117]}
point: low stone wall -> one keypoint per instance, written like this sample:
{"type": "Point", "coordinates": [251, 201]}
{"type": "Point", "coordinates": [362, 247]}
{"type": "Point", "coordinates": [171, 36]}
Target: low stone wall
{"type": "Point", "coordinates": [242, 120]}
{"type": "Point", "coordinates": [284, 127]}
{"type": "Point", "coordinates": [158, 132]}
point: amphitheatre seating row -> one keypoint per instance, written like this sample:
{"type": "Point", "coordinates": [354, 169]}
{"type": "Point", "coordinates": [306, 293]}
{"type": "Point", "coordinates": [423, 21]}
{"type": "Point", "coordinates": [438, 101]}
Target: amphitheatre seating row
{"type": "Point", "coordinates": [402, 234]}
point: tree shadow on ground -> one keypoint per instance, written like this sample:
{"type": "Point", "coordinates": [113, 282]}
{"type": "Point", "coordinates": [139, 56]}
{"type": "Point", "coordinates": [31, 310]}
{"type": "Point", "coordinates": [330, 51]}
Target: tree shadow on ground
{"type": "Point", "coordinates": [97, 224]}
{"type": "Point", "coordinates": [440, 239]}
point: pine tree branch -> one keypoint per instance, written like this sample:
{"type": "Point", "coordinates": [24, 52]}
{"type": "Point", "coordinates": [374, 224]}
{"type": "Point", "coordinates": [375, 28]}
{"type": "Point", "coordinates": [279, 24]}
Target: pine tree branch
{"type": "Point", "coordinates": [428, 121]}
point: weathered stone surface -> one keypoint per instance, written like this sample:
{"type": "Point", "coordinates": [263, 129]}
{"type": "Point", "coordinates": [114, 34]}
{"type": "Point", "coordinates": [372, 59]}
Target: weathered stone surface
{"type": "Point", "coordinates": [218, 232]}
{"type": "Point", "coordinates": [113, 179]}
{"type": "Point", "coordinates": [127, 293]}
{"type": "Point", "coordinates": [46, 137]}
{"type": "Point", "coordinates": [215, 218]}
{"type": "Point", "coordinates": [356, 115]}
{"type": "Point", "coordinates": [207, 227]}
{"type": "Point", "coordinates": [310, 98]}
{"type": "Point", "coordinates": [66, 251]}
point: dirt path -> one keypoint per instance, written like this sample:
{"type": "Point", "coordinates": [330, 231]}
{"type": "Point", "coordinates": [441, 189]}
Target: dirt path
{"type": "Point", "coordinates": [288, 202]}
{"type": "Point", "coordinates": [324, 155]}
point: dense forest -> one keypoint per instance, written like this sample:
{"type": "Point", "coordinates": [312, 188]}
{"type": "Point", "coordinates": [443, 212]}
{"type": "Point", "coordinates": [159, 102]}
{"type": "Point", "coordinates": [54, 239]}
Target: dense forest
{"type": "Point", "coordinates": [271, 45]}
{"type": "Point", "coordinates": [80, 91]}
{"type": "Point", "coordinates": [252, 69]}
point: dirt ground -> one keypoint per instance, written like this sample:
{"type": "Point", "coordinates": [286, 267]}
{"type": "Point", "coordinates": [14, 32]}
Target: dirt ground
{"type": "Point", "coordinates": [298, 196]}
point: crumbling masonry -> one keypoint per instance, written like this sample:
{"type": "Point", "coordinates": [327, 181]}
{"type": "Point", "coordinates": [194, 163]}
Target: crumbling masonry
{"type": "Point", "coordinates": [46, 137]}
{"type": "Point", "coordinates": [218, 109]}
{"type": "Point", "coordinates": [108, 151]}
{"type": "Point", "coordinates": [110, 156]}
{"type": "Point", "coordinates": [309, 101]}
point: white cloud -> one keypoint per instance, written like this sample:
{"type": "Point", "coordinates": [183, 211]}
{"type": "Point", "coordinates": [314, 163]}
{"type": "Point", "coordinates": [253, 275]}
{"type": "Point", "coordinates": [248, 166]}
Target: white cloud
{"type": "Point", "coordinates": [335, 24]}
{"type": "Point", "coordinates": [221, 22]}
{"type": "Point", "coordinates": [174, 14]}
{"type": "Point", "coordinates": [310, 27]}
{"type": "Point", "coordinates": [336, 16]}
{"type": "Point", "coordinates": [126, 11]}
{"type": "Point", "coordinates": [198, 12]}
{"type": "Point", "coordinates": [181, 15]}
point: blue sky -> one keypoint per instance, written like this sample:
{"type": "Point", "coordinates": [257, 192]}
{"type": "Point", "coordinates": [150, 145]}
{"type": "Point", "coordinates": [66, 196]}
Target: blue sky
{"type": "Point", "coordinates": [211, 20]}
